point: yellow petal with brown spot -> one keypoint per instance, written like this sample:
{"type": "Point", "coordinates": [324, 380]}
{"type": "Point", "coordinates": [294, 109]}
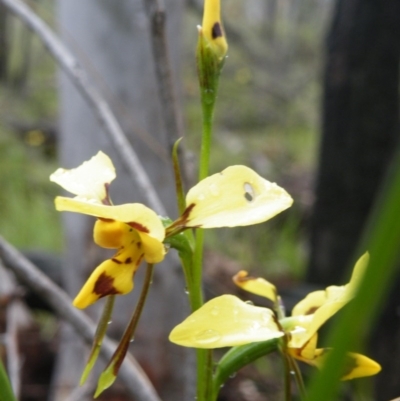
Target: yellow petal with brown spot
{"type": "Point", "coordinates": [90, 180]}
{"type": "Point", "coordinates": [138, 216]}
{"type": "Point", "coordinates": [237, 196]}
{"type": "Point", "coordinates": [255, 285]}
{"type": "Point", "coordinates": [113, 276]}
{"type": "Point", "coordinates": [226, 321]}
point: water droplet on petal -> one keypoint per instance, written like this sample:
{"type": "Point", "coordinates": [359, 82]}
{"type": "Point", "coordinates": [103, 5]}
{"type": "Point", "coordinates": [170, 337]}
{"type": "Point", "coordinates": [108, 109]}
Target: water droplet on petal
{"type": "Point", "coordinates": [207, 337]}
{"type": "Point", "coordinates": [249, 193]}
{"type": "Point", "coordinates": [214, 190]}
{"type": "Point", "coordinates": [201, 197]}
{"type": "Point", "coordinates": [215, 311]}
{"type": "Point", "coordinates": [249, 303]}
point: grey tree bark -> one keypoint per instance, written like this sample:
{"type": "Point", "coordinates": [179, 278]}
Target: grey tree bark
{"type": "Point", "coordinates": [112, 41]}
{"type": "Point", "coordinates": [360, 133]}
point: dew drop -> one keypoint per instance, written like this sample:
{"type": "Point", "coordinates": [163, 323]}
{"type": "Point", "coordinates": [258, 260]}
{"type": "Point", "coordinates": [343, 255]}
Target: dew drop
{"type": "Point", "coordinates": [249, 192]}
{"type": "Point", "coordinates": [214, 190]}
{"type": "Point", "coordinates": [186, 290]}
{"type": "Point", "coordinates": [232, 375]}
{"type": "Point", "coordinates": [214, 311]}
{"type": "Point", "coordinates": [131, 340]}
{"type": "Point", "coordinates": [207, 337]}
{"type": "Point", "coordinates": [201, 197]}
{"type": "Point", "coordinates": [109, 322]}
{"type": "Point", "coordinates": [249, 302]}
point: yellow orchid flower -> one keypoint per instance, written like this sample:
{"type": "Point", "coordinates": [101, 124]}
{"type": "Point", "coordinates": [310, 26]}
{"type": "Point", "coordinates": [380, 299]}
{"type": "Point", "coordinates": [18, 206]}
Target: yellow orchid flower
{"type": "Point", "coordinates": [212, 30]}
{"type": "Point", "coordinates": [133, 229]}
{"type": "Point", "coordinates": [231, 322]}
{"type": "Point", "coordinates": [237, 196]}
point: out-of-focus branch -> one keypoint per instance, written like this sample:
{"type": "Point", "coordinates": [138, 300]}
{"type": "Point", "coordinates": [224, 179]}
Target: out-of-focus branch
{"type": "Point", "coordinates": [134, 378]}
{"type": "Point", "coordinates": [173, 119]}
{"type": "Point", "coordinates": [102, 110]}
{"type": "Point", "coordinates": [171, 113]}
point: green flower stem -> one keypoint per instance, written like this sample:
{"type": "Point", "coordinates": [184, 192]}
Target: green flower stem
{"type": "Point", "coordinates": [110, 373]}
{"type": "Point", "coordinates": [98, 337]}
{"type": "Point", "coordinates": [287, 377]}
{"type": "Point", "coordinates": [208, 113]}
{"type": "Point", "coordinates": [6, 393]}
{"type": "Point", "coordinates": [294, 367]}
{"type": "Point", "coordinates": [238, 357]}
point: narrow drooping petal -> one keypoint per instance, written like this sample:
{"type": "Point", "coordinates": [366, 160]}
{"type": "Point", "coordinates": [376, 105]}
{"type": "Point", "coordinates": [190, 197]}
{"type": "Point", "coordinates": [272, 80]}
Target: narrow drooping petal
{"type": "Point", "coordinates": [113, 276]}
{"type": "Point", "coordinates": [255, 285]}
{"type": "Point", "coordinates": [322, 305]}
{"type": "Point", "coordinates": [237, 196]}
{"type": "Point", "coordinates": [88, 181]}
{"type": "Point", "coordinates": [356, 365]}
{"type": "Point", "coordinates": [226, 321]}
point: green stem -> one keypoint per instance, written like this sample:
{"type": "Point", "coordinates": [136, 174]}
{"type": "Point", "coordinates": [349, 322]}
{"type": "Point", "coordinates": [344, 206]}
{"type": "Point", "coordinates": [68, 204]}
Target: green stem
{"type": "Point", "coordinates": [298, 377]}
{"type": "Point", "coordinates": [98, 337]}
{"type": "Point", "coordinates": [208, 112]}
{"type": "Point", "coordinates": [287, 377]}
{"type": "Point", "coordinates": [110, 373]}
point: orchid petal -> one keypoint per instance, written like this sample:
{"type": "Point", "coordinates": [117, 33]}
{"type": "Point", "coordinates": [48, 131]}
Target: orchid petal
{"type": "Point", "coordinates": [226, 321]}
{"type": "Point", "coordinates": [88, 181]}
{"type": "Point", "coordinates": [136, 215]}
{"type": "Point", "coordinates": [357, 365]}
{"type": "Point", "coordinates": [237, 196]}
{"type": "Point", "coordinates": [323, 304]}
{"type": "Point", "coordinates": [255, 285]}
{"type": "Point", "coordinates": [113, 276]}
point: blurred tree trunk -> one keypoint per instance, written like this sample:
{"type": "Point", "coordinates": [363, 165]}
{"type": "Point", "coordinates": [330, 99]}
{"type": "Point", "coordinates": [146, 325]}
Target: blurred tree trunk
{"type": "Point", "coordinates": [112, 41]}
{"type": "Point", "coordinates": [3, 43]}
{"type": "Point", "coordinates": [360, 134]}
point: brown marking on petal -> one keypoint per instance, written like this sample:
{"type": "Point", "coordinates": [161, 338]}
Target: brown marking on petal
{"type": "Point", "coordinates": [118, 262]}
{"type": "Point", "coordinates": [128, 261]}
{"type": "Point", "coordinates": [139, 261]}
{"type": "Point", "coordinates": [104, 286]}
{"type": "Point", "coordinates": [185, 215]}
{"type": "Point", "coordinates": [139, 244]}
{"type": "Point", "coordinates": [107, 201]}
{"type": "Point", "coordinates": [138, 227]}
{"type": "Point", "coordinates": [312, 310]}
{"type": "Point", "coordinates": [106, 220]}
{"type": "Point", "coordinates": [216, 31]}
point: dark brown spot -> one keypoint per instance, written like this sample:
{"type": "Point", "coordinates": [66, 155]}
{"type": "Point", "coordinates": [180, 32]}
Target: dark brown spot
{"type": "Point", "coordinates": [104, 286]}
{"type": "Point", "coordinates": [216, 31]}
{"type": "Point", "coordinates": [139, 244]}
{"type": "Point", "coordinates": [118, 262]}
{"type": "Point", "coordinates": [312, 310]}
{"type": "Point", "coordinates": [128, 261]}
{"type": "Point", "coordinates": [248, 196]}
{"type": "Point", "coordinates": [138, 227]}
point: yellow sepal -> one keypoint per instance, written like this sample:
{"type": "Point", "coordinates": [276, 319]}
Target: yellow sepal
{"type": "Point", "coordinates": [237, 196]}
{"type": "Point", "coordinates": [225, 321]}
{"type": "Point", "coordinates": [255, 285]}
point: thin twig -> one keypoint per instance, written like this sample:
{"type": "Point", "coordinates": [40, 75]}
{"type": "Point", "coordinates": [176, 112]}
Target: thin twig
{"type": "Point", "coordinates": [134, 378]}
{"type": "Point", "coordinates": [170, 111]}
{"type": "Point", "coordinates": [82, 82]}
